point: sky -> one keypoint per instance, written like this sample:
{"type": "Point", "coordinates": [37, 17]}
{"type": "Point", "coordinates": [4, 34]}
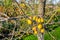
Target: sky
{"type": "Point", "coordinates": [55, 1]}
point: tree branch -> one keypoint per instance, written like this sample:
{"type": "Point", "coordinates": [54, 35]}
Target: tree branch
{"type": "Point", "coordinates": [51, 17]}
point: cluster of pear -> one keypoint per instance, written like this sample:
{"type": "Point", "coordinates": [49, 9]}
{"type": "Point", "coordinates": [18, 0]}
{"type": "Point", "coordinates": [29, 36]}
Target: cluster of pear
{"type": "Point", "coordinates": [39, 23]}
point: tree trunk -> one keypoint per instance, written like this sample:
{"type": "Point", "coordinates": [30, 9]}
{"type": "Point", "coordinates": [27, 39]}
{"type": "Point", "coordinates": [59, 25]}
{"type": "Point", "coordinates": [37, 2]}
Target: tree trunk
{"type": "Point", "coordinates": [41, 12]}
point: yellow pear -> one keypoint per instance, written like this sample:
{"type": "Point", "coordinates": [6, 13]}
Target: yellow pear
{"type": "Point", "coordinates": [39, 26]}
{"type": "Point", "coordinates": [42, 20]}
{"type": "Point", "coordinates": [38, 20]}
{"type": "Point", "coordinates": [42, 30]}
{"type": "Point", "coordinates": [34, 17]}
{"type": "Point", "coordinates": [29, 21]}
{"type": "Point", "coordinates": [35, 32]}
{"type": "Point", "coordinates": [34, 28]}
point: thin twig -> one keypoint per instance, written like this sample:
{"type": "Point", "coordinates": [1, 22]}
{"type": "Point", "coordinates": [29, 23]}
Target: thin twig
{"type": "Point", "coordinates": [13, 32]}
{"type": "Point", "coordinates": [53, 23]}
{"type": "Point", "coordinates": [51, 35]}
{"type": "Point", "coordinates": [51, 17]}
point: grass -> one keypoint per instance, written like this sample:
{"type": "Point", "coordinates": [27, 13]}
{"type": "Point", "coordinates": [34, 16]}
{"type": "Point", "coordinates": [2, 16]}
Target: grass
{"type": "Point", "coordinates": [55, 33]}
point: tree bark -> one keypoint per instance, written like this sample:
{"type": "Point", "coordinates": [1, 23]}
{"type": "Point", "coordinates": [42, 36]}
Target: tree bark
{"type": "Point", "coordinates": [41, 12]}
{"type": "Point", "coordinates": [41, 7]}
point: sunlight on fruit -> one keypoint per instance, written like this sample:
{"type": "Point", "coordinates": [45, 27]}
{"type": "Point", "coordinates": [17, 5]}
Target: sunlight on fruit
{"type": "Point", "coordinates": [42, 30]}
{"type": "Point", "coordinates": [35, 32]}
{"type": "Point", "coordinates": [39, 20]}
{"type": "Point", "coordinates": [39, 26]}
{"type": "Point", "coordinates": [34, 28]}
{"type": "Point", "coordinates": [34, 17]}
{"type": "Point", "coordinates": [42, 20]}
{"type": "Point", "coordinates": [29, 21]}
